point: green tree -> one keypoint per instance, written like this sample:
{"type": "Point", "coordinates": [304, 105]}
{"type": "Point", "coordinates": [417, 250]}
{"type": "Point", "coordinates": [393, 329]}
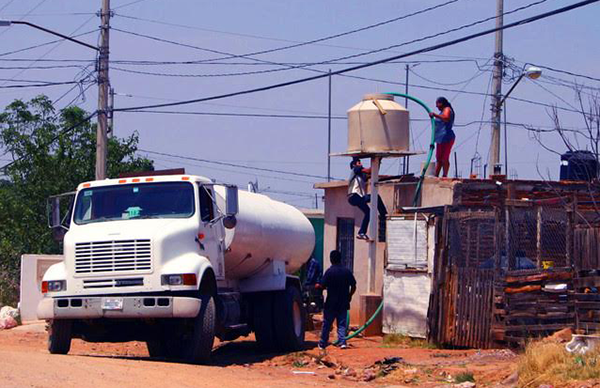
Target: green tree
{"type": "Point", "coordinates": [53, 152]}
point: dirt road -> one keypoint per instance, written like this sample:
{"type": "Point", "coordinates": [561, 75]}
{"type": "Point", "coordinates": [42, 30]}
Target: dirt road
{"type": "Point", "coordinates": [24, 362]}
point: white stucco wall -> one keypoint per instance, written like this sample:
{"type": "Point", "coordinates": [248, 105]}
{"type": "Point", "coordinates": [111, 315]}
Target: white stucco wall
{"type": "Point", "coordinates": [33, 268]}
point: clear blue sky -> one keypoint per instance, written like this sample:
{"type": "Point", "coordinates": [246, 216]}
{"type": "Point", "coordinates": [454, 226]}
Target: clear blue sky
{"type": "Point", "coordinates": [565, 42]}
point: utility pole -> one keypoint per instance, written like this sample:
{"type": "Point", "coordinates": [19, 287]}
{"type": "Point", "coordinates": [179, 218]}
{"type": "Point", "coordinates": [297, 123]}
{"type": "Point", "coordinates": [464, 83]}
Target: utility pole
{"type": "Point", "coordinates": [407, 68]}
{"type": "Point", "coordinates": [103, 93]}
{"type": "Point", "coordinates": [329, 132]}
{"type": "Point", "coordinates": [497, 90]}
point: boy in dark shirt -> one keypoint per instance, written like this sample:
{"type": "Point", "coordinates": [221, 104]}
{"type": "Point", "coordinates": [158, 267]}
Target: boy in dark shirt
{"type": "Point", "coordinates": [340, 285]}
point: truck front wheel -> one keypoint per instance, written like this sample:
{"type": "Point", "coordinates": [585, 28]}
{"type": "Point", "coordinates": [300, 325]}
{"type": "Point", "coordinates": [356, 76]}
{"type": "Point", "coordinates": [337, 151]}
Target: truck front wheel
{"type": "Point", "coordinates": [198, 345]}
{"type": "Point", "coordinates": [59, 336]}
{"type": "Point", "coordinates": [289, 328]}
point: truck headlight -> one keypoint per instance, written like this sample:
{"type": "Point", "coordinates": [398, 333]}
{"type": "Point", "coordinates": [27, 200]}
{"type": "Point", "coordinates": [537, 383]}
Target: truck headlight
{"type": "Point", "coordinates": [186, 279]}
{"type": "Point", "coordinates": [53, 286]}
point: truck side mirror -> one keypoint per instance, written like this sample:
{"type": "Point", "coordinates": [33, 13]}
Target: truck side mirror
{"type": "Point", "coordinates": [232, 202]}
{"type": "Point", "coordinates": [58, 221]}
{"type": "Point", "coordinates": [54, 212]}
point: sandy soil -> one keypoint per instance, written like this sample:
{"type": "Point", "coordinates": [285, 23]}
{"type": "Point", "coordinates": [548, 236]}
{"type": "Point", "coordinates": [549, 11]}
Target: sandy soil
{"type": "Point", "coordinates": [24, 362]}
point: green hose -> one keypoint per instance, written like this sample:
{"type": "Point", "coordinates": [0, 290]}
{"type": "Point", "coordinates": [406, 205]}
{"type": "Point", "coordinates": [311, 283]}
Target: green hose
{"type": "Point", "coordinates": [415, 201]}
{"type": "Point", "coordinates": [363, 327]}
{"type": "Point", "coordinates": [431, 144]}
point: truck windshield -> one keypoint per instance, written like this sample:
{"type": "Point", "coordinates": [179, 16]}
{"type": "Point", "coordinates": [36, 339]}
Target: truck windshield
{"type": "Point", "coordinates": [135, 201]}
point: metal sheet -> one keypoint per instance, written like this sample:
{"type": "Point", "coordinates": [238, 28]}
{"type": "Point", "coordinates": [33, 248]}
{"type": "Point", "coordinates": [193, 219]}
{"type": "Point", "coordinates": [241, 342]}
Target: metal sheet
{"type": "Point", "coordinates": [406, 244]}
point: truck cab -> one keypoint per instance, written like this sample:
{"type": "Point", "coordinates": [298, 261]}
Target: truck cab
{"type": "Point", "coordinates": [175, 260]}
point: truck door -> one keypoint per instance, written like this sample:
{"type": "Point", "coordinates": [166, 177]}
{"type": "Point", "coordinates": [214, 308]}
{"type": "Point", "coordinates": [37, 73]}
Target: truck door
{"type": "Point", "coordinates": [210, 226]}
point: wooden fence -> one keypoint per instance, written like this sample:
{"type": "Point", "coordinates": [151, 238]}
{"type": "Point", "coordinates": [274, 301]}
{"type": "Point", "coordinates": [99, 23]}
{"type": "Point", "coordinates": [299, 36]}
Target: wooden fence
{"type": "Point", "coordinates": [464, 308]}
{"type": "Point", "coordinates": [532, 303]}
{"type": "Point", "coordinates": [586, 244]}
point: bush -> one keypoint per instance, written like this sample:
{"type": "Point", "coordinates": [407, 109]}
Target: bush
{"type": "Point", "coordinates": [550, 363]}
{"type": "Point", "coordinates": [9, 288]}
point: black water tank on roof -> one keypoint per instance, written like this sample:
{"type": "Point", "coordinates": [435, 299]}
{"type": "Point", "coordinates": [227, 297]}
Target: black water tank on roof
{"type": "Point", "coordinates": [578, 166]}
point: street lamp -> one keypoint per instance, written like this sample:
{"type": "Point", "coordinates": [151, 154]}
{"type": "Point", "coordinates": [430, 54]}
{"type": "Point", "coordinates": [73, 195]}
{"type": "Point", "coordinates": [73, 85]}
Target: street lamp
{"type": "Point", "coordinates": [531, 72]}
{"type": "Point", "coordinates": [8, 23]}
{"type": "Point", "coordinates": [103, 82]}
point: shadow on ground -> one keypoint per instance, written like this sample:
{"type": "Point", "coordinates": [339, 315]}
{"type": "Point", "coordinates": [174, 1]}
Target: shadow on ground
{"type": "Point", "coordinates": [225, 354]}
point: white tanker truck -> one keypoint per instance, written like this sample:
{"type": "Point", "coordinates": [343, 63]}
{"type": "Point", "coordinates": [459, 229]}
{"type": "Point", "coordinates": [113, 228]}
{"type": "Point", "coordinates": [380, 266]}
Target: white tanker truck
{"type": "Point", "coordinates": [175, 260]}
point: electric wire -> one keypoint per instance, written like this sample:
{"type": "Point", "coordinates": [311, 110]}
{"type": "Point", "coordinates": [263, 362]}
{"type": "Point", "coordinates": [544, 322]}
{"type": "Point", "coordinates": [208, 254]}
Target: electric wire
{"type": "Point", "coordinates": [422, 11]}
{"type": "Point", "coordinates": [374, 63]}
{"type": "Point", "coordinates": [24, 16]}
{"type": "Point", "coordinates": [55, 47]}
{"type": "Point", "coordinates": [6, 5]}
{"type": "Point", "coordinates": [40, 85]}
{"type": "Point", "coordinates": [304, 67]}
{"type": "Point", "coordinates": [253, 174]}
{"type": "Point", "coordinates": [231, 114]}
{"type": "Point", "coordinates": [128, 4]}
{"type": "Point", "coordinates": [234, 165]}
{"type": "Point", "coordinates": [41, 45]}
{"type": "Point", "coordinates": [568, 72]}
{"type": "Point", "coordinates": [315, 41]}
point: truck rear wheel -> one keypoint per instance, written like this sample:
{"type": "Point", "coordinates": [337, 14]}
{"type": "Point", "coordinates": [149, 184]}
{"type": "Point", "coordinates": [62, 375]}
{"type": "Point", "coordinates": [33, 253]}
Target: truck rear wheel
{"type": "Point", "coordinates": [197, 348]}
{"type": "Point", "coordinates": [289, 325]}
{"type": "Point", "coordinates": [59, 336]}
{"type": "Point", "coordinates": [262, 321]}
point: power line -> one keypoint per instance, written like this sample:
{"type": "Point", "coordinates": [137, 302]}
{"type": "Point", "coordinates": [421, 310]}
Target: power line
{"type": "Point", "coordinates": [234, 165]}
{"type": "Point", "coordinates": [358, 67]}
{"type": "Point", "coordinates": [51, 14]}
{"type": "Point", "coordinates": [231, 114]}
{"type": "Point", "coordinates": [31, 85]}
{"type": "Point", "coordinates": [569, 73]}
{"type": "Point", "coordinates": [128, 4]}
{"type": "Point", "coordinates": [459, 91]}
{"type": "Point", "coordinates": [28, 12]}
{"type": "Point", "coordinates": [422, 11]}
{"type": "Point", "coordinates": [233, 171]}
{"type": "Point", "coordinates": [286, 68]}
{"type": "Point", "coordinates": [314, 41]}
{"type": "Point", "coordinates": [53, 48]}
{"type": "Point", "coordinates": [229, 63]}
{"type": "Point", "coordinates": [40, 45]}
{"type": "Point", "coordinates": [6, 5]}
{"type": "Point", "coordinates": [248, 56]}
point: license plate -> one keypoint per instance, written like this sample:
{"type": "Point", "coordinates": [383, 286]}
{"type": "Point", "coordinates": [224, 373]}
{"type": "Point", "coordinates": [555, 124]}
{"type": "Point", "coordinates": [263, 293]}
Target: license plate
{"type": "Point", "coordinates": [112, 304]}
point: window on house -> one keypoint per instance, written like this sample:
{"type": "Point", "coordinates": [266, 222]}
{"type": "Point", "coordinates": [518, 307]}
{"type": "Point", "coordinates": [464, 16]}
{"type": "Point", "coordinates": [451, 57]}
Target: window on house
{"type": "Point", "coordinates": [345, 241]}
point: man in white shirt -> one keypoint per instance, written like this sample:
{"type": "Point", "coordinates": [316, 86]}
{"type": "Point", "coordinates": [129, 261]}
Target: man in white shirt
{"type": "Point", "coordinates": [357, 195]}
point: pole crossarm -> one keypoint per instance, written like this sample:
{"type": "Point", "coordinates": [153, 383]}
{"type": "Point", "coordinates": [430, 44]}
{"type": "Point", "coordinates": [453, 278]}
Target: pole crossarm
{"type": "Point", "coordinates": [9, 22]}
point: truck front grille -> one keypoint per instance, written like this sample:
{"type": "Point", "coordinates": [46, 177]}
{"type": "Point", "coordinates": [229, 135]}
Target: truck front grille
{"type": "Point", "coordinates": [110, 283]}
{"type": "Point", "coordinates": [113, 256]}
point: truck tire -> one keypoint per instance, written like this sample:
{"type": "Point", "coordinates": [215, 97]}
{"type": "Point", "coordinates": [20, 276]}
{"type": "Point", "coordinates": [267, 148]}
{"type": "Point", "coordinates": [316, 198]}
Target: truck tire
{"type": "Point", "coordinates": [59, 336]}
{"type": "Point", "coordinates": [262, 321]}
{"type": "Point", "coordinates": [290, 319]}
{"type": "Point", "coordinates": [197, 349]}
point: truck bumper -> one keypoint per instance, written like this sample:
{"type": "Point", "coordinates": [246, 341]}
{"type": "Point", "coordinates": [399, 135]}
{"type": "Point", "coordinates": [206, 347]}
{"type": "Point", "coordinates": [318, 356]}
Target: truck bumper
{"type": "Point", "coordinates": [118, 307]}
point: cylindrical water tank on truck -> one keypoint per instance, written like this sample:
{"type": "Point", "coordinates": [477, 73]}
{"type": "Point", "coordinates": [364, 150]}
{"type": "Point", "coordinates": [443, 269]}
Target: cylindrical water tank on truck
{"type": "Point", "coordinates": [266, 230]}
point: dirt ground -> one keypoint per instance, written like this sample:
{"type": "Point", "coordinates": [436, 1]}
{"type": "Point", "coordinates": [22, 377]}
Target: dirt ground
{"type": "Point", "coordinates": [25, 362]}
